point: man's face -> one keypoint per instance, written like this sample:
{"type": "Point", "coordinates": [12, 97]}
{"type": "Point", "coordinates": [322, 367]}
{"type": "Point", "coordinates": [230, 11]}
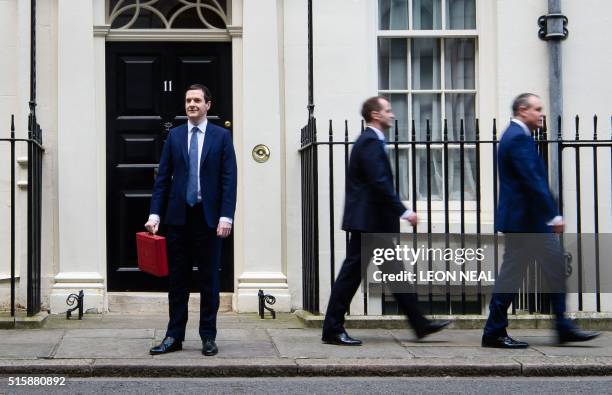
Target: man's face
{"type": "Point", "coordinates": [385, 116]}
{"type": "Point", "coordinates": [532, 113]}
{"type": "Point", "coordinates": [195, 106]}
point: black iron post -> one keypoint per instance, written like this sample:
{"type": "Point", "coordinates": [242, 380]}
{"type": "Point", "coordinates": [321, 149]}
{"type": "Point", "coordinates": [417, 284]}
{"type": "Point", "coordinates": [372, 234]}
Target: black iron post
{"type": "Point", "coordinates": [12, 215]}
{"type": "Point", "coordinates": [311, 105]}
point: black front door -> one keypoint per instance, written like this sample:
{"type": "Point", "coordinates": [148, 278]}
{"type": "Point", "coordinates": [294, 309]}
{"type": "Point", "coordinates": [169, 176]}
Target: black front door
{"type": "Point", "coordinates": [145, 90]}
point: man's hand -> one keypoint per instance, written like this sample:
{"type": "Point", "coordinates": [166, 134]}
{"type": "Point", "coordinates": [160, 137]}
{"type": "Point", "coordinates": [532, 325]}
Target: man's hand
{"type": "Point", "coordinates": [152, 226]}
{"type": "Point", "coordinates": [558, 227]}
{"type": "Point", "coordinates": [224, 229]}
{"type": "Point", "coordinates": [412, 218]}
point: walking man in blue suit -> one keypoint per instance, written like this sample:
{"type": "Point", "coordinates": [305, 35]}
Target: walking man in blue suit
{"type": "Point", "coordinates": [528, 217]}
{"type": "Point", "coordinates": [371, 206]}
{"type": "Point", "coordinates": [195, 194]}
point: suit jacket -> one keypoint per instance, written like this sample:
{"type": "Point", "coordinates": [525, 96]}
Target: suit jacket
{"type": "Point", "coordinates": [371, 204]}
{"type": "Point", "coordinates": [525, 202]}
{"type": "Point", "coordinates": [218, 177]}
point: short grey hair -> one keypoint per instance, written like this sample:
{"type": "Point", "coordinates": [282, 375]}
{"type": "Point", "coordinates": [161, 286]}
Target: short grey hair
{"type": "Point", "coordinates": [521, 100]}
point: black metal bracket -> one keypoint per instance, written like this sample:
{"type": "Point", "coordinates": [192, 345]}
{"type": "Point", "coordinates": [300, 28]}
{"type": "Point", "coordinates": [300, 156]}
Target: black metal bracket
{"type": "Point", "coordinates": [568, 264]}
{"type": "Point", "coordinates": [553, 27]}
{"type": "Point", "coordinates": [263, 299]}
{"type": "Point", "coordinates": [71, 300]}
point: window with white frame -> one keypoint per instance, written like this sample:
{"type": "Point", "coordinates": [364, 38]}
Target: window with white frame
{"type": "Point", "coordinates": [427, 68]}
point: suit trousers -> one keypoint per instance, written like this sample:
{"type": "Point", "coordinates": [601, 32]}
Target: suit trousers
{"type": "Point", "coordinates": [346, 285]}
{"type": "Point", "coordinates": [521, 250]}
{"type": "Point", "coordinates": [193, 245]}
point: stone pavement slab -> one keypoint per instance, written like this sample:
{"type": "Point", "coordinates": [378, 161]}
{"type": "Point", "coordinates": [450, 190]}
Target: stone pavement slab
{"type": "Point", "coordinates": [117, 348]}
{"type": "Point", "coordinates": [306, 343]}
{"type": "Point", "coordinates": [15, 336]}
{"type": "Point", "coordinates": [222, 334]}
{"type": "Point", "coordinates": [110, 333]}
{"type": "Point", "coordinates": [26, 350]}
{"type": "Point", "coordinates": [468, 352]}
{"type": "Point", "coordinates": [227, 349]}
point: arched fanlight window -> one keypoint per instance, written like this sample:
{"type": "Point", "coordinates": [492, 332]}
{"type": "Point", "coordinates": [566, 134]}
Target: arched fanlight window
{"type": "Point", "coordinates": [167, 14]}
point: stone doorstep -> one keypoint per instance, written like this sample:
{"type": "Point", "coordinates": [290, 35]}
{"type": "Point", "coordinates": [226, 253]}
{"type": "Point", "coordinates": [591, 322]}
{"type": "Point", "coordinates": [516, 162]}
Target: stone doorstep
{"type": "Point", "coordinates": [587, 321]}
{"type": "Point", "coordinates": [22, 321]}
{"type": "Point", "coordinates": [280, 367]}
{"type": "Point", "coordinates": [157, 302]}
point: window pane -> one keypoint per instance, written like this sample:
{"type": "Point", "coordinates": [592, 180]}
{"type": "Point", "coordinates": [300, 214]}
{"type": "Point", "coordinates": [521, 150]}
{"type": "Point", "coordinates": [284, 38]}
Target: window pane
{"type": "Point", "coordinates": [435, 174]}
{"type": "Point", "coordinates": [459, 59]}
{"type": "Point", "coordinates": [399, 106]}
{"type": "Point", "coordinates": [404, 171]}
{"type": "Point", "coordinates": [393, 14]}
{"type": "Point", "coordinates": [425, 63]}
{"type": "Point", "coordinates": [426, 15]}
{"type": "Point", "coordinates": [392, 63]}
{"type": "Point", "coordinates": [460, 14]}
{"type": "Point", "coordinates": [461, 106]}
{"type": "Point", "coordinates": [469, 175]}
{"type": "Point", "coordinates": [426, 107]}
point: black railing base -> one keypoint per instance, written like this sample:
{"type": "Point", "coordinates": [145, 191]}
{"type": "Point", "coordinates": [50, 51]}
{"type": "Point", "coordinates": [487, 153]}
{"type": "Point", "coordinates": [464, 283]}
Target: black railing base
{"type": "Point", "coordinates": [263, 299]}
{"type": "Point", "coordinates": [71, 300]}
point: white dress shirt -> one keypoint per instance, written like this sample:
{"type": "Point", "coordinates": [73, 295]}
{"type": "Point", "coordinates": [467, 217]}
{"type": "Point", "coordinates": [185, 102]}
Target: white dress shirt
{"type": "Point", "coordinates": [201, 135]}
{"type": "Point", "coordinates": [558, 219]}
{"type": "Point", "coordinates": [381, 137]}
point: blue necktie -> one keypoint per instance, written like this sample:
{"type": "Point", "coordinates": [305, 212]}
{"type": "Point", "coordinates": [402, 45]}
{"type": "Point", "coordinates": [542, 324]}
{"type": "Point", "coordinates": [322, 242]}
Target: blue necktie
{"type": "Point", "coordinates": [192, 181]}
{"type": "Point", "coordinates": [384, 144]}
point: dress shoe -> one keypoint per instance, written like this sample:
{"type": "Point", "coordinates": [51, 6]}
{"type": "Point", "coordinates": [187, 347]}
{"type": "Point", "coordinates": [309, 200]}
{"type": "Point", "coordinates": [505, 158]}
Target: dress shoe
{"type": "Point", "coordinates": [169, 344]}
{"type": "Point", "coordinates": [209, 347]}
{"type": "Point", "coordinates": [576, 335]}
{"type": "Point", "coordinates": [341, 339]}
{"type": "Point", "coordinates": [431, 327]}
{"type": "Point", "coordinates": [502, 342]}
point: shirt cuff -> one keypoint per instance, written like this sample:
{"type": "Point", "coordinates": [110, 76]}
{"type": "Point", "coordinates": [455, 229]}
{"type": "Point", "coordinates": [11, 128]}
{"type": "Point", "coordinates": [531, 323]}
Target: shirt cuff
{"type": "Point", "coordinates": [555, 221]}
{"type": "Point", "coordinates": [225, 219]}
{"type": "Point", "coordinates": [406, 214]}
{"type": "Point", "coordinates": [154, 217]}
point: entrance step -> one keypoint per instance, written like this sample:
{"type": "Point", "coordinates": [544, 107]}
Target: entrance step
{"type": "Point", "coordinates": [157, 302]}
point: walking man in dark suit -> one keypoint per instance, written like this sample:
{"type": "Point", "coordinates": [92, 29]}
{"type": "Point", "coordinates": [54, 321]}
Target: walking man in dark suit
{"type": "Point", "coordinates": [371, 206]}
{"type": "Point", "coordinates": [195, 193]}
{"type": "Point", "coordinates": [528, 216]}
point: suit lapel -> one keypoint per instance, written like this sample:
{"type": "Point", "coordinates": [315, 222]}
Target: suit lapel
{"type": "Point", "coordinates": [209, 137]}
{"type": "Point", "coordinates": [183, 144]}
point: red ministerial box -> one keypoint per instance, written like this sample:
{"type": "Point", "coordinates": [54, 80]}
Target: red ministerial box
{"type": "Point", "coordinates": [152, 257]}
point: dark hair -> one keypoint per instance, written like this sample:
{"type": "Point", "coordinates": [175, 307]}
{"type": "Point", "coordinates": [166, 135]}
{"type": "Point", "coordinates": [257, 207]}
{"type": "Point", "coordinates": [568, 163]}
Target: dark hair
{"type": "Point", "coordinates": [370, 105]}
{"type": "Point", "coordinates": [204, 89]}
{"type": "Point", "coordinates": [521, 100]}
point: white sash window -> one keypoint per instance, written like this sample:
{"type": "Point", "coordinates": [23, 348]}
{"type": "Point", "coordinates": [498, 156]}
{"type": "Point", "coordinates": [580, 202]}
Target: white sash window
{"type": "Point", "coordinates": [427, 53]}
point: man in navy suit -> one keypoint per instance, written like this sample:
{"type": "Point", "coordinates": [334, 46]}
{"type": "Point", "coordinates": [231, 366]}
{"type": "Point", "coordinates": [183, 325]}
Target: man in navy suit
{"type": "Point", "coordinates": [528, 216]}
{"type": "Point", "coordinates": [195, 193]}
{"type": "Point", "coordinates": [371, 206]}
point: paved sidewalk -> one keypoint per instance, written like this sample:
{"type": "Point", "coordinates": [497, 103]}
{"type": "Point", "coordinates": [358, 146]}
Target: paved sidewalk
{"type": "Point", "coordinates": [118, 345]}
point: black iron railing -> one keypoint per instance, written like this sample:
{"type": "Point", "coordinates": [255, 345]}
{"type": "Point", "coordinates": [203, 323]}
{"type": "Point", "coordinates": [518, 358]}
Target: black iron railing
{"type": "Point", "coordinates": [35, 151]}
{"type": "Point", "coordinates": [481, 151]}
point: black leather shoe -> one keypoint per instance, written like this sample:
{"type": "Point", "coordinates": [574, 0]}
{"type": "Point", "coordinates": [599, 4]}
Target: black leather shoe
{"type": "Point", "coordinates": [576, 335]}
{"type": "Point", "coordinates": [209, 347]}
{"type": "Point", "coordinates": [341, 339]}
{"type": "Point", "coordinates": [431, 327]}
{"type": "Point", "coordinates": [169, 344]}
{"type": "Point", "coordinates": [503, 342]}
